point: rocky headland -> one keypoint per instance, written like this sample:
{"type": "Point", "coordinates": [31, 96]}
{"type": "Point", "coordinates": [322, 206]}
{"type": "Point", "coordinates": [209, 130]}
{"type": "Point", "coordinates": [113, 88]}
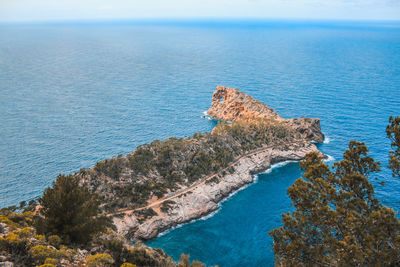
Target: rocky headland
{"type": "Point", "coordinates": [154, 188]}
{"type": "Point", "coordinates": [174, 181]}
{"type": "Point", "coordinates": [229, 104]}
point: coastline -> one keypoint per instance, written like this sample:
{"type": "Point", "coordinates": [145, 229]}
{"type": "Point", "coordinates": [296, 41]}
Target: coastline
{"type": "Point", "coordinates": [205, 199]}
{"type": "Point", "coordinates": [232, 194]}
{"type": "Point", "coordinates": [250, 120]}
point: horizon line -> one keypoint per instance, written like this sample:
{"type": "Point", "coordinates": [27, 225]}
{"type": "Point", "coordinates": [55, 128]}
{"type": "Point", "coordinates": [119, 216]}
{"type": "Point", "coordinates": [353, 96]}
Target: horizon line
{"type": "Point", "coordinates": [198, 19]}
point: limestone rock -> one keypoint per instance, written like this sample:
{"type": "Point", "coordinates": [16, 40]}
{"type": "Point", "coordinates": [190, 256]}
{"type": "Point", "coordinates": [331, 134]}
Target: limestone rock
{"type": "Point", "coordinates": [229, 104]}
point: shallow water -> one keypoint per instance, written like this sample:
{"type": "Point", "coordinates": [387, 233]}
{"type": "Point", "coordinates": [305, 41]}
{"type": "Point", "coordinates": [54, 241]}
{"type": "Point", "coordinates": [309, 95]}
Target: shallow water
{"type": "Point", "coordinates": [72, 95]}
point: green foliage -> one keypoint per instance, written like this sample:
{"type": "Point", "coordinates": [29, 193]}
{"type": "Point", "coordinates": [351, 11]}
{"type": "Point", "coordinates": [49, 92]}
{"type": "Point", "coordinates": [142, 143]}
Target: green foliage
{"type": "Point", "coordinates": [337, 220]}
{"type": "Point", "coordinates": [70, 211]}
{"type": "Point", "coordinates": [54, 240]}
{"type": "Point", "coordinates": [31, 205]}
{"type": "Point", "coordinates": [184, 261]}
{"type": "Point", "coordinates": [127, 264]}
{"type": "Point", "coordinates": [393, 133]}
{"type": "Point", "coordinates": [145, 213]}
{"type": "Point", "coordinates": [182, 162]}
{"type": "Point", "coordinates": [166, 205]}
{"type": "Point", "coordinates": [140, 160]}
{"type": "Point", "coordinates": [141, 257]}
{"type": "Point", "coordinates": [40, 253]}
{"type": "Point", "coordinates": [15, 220]}
{"type": "Point", "coordinates": [110, 167]}
{"type": "Point", "coordinates": [100, 260]}
{"type": "Point", "coordinates": [51, 261]}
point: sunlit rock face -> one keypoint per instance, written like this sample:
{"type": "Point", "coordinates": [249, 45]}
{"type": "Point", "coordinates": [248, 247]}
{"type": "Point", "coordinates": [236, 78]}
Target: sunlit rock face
{"type": "Point", "coordinates": [229, 104]}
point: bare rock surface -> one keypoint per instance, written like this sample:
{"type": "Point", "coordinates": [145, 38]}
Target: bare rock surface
{"type": "Point", "coordinates": [229, 104]}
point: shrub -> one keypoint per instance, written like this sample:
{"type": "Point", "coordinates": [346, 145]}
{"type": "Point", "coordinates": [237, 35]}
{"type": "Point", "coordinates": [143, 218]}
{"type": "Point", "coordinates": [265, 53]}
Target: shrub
{"type": "Point", "coordinates": [54, 240]}
{"type": "Point", "coordinates": [40, 253]}
{"type": "Point", "coordinates": [127, 264]}
{"type": "Point", "coordinates": [16, 241]}
{"type": "Point", "coordinates": [99, 260]}
{"type": "Point", "coordinates": [52, 261]}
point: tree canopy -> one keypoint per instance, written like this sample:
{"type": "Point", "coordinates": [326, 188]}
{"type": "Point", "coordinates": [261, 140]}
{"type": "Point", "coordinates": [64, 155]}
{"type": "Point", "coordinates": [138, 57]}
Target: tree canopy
{"type": "Point", "coordinates": [393, 133]}
{"type": "Point", "coordinates": [70, 211]}
{"type": "Point", "coordinates": [337, 220]}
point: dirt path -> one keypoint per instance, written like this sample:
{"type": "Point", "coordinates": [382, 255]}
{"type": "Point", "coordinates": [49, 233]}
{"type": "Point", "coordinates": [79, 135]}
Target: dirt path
{"type": "Point", "coordinates": [192, 187]}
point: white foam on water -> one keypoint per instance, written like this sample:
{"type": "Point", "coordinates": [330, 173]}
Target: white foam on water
{"type": "Point", "coordinates": [327, 140]}
{"type": "Point", "coordinates": [211, 214]}
{"type": "Point", "coordinates": [329, 159]}
{"type": "Point", "coordinates": [278, 165]}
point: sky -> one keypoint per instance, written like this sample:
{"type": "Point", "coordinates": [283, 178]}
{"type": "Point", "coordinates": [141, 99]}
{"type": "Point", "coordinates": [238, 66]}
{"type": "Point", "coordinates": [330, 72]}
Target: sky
{"type": "Point", "coordinates": [65, 10]}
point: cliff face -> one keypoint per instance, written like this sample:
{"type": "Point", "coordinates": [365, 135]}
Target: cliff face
{"type": "Point", "coordinates": [229, 104]}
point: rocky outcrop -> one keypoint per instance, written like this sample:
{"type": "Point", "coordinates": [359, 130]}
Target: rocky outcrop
{"type": "Point", "coordinates": [229, 104]}
{"type": "Point", "coordinates": [203, 197]}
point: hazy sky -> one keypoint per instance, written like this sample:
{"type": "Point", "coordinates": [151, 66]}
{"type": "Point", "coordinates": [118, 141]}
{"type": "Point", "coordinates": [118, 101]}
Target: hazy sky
{"type": "Point", "coordinates": [44, 10]}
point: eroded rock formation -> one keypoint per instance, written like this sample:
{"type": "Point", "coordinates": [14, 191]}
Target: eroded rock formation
{"type": "Point", "coordinates": [229, 104]}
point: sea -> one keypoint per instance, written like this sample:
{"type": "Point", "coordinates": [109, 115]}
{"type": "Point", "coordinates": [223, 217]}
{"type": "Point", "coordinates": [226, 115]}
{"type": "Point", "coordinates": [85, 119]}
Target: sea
{"type": "Point", "coordinates": [72, 94]}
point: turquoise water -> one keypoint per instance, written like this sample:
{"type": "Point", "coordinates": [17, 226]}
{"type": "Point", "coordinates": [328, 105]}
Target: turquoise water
{"type": "Point", "coordinates": [72, 95]}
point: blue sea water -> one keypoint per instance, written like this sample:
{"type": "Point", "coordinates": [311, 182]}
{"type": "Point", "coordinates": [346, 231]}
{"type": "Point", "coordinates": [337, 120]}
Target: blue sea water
{"type": "Point", "coordinates": [74, 94]}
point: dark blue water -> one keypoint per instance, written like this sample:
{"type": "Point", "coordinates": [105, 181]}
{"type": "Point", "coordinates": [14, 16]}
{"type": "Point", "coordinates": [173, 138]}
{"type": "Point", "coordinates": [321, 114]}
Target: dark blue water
{"type": "Point", "coordinates": [72, 95]}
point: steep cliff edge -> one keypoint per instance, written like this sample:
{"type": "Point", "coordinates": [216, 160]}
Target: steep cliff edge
{"type": "Point", "coordinates": [229, 104]}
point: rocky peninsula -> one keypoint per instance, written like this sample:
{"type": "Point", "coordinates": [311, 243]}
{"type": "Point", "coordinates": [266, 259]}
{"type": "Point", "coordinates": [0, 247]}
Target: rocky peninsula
{"type": "Point", "coordinates": [156, 187]}
{"type": "Point", "coordinates": [170, 182]}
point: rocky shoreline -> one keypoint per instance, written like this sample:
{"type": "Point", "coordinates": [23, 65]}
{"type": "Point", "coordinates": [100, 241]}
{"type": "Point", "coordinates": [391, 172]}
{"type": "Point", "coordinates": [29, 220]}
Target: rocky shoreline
{"type": "Point", "coordinates": [205, 198]}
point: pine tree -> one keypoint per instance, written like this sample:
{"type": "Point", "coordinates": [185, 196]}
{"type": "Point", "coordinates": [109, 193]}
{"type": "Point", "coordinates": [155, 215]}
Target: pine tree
{"type": "Point", "coordinates": [70, 211]}
{"type": "Point", "coordinates": [337, 220]}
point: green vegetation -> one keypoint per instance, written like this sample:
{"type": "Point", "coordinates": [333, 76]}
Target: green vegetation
{"type": "Point", "coordinates": [166, 205]}
{"type": "Point", "coordinates": [393, 133]}
{"type": "Point", "coordinates": [184, 261]}
{"type": "Point", "coordinates": [144, 214]}
{"type": "Point", "coordinates": [21, 241]}
{"type": "Point", "coordinates": [162, 166]}
{"type": "Point", "coordinates": [40, 253]}
{"type": "Point", "coordinates": [337, 220]}
{"type": "Point", "coordinates": [99, 260]}
{"type": "Point", "coordinates": [23, 246]}
{"type": "Point", "coordinates": [69, 211]}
